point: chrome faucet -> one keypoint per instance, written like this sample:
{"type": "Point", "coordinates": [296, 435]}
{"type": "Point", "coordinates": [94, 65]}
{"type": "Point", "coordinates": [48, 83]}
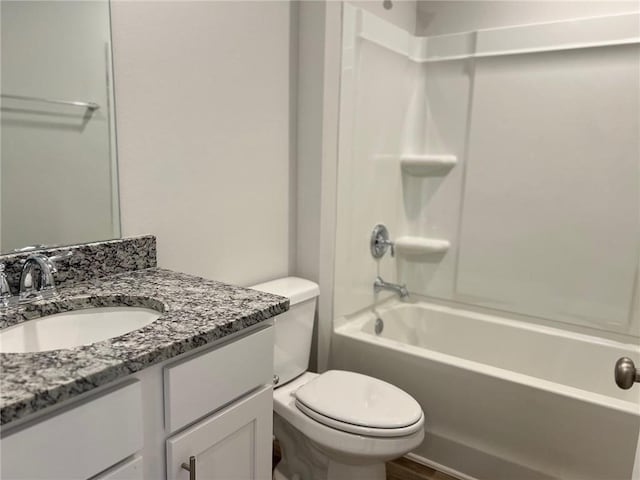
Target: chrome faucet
{"type": "Point", "coordinates": [34, 287]}
{"type": "Point", "coordinates": [379, 284]}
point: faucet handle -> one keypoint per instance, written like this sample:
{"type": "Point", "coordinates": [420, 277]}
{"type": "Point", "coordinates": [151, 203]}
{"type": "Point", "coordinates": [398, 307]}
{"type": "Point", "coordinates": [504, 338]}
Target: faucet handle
{"type": "Point", "coordinates": [379, 242]}
{"type": "Point", "coordinates": [53, 258]}
{"type": "Point", "coordinates": [56, 258]}
{"type": "Point", "coordinates": [5, 291]}
{"type": "Point", "coordinates": [62, 255]}
{"type": "Point", "coordinates": [3, 278]}
{"type": "Point", "coordinates": [30, 248]}
{"type": "Point", "coordinates": [51, 261]}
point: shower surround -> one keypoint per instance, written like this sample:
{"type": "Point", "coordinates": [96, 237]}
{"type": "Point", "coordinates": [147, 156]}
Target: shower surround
{"type": "Point", "coordinates": [517, 148]}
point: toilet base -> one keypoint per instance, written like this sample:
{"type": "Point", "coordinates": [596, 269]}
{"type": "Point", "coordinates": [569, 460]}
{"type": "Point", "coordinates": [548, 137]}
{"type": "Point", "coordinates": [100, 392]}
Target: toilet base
{"type": "Point", "coordinates": [342, 472]}
{"type": "Point", "coordinates": [303, 460]}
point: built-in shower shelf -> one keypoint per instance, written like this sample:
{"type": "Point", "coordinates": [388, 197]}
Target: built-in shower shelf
{"type": "Point", "coordinates": [420, 246]}
{"type": "Point", "coordinates": [427, 165]}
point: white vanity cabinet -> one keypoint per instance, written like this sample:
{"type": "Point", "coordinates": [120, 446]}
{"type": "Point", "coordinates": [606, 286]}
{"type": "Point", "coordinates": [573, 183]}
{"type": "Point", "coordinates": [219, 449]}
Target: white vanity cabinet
{"type": "Point", "coordinates": [234, 442]}
{"type": "Point", "coordinates": [214, 403]}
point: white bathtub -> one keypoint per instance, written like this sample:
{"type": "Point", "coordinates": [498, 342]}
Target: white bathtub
{"type": "Point", "coordinates": [503, 399]}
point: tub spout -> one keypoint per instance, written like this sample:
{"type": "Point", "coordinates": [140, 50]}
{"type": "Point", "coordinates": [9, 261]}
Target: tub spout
{"type": "Point", "coordinates": [379, 284]}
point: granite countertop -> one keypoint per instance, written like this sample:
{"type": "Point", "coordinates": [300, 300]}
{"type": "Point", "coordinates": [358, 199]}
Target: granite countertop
{"type": "Point", "coordinates": [195, 312]}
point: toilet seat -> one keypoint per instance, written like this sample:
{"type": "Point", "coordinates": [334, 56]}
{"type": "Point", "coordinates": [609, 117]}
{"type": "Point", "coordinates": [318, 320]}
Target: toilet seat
{"type": "Point", "coordinates": [359, 404]}
{"type": "Point", "coordinates": [360, 430]}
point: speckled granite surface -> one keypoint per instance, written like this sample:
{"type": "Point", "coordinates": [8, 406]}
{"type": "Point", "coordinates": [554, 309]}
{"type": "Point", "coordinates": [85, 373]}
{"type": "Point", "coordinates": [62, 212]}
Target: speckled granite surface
{"type": "Point", "coordinates": [90, 260]}
{"type": "Point", "coordinates": [195, 312]}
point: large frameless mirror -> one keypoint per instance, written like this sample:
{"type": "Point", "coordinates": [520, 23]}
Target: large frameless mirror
{"type": "Point", "coordinates": [58, 170]}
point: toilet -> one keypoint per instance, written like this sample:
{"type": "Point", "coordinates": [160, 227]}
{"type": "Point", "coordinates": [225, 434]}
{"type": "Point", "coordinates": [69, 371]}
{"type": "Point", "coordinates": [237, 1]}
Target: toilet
{"type": "Point", "coordinates": [337, 425]}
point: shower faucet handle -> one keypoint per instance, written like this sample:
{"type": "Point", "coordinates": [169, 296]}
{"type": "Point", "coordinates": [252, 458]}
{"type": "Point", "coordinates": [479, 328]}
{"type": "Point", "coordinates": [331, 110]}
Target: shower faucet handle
{"type": "Point", "coordinates": [380, 242]}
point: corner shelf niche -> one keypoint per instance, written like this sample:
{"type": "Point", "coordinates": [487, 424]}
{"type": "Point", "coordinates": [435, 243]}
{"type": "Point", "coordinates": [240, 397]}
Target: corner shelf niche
{"type": "Point", "coordinates": [420, 246]}
{"type": "Point", "coordinates": [427, 165]}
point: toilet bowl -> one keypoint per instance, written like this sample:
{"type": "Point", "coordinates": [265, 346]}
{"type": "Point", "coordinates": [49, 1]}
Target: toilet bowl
{"type": "Point", "coordinates": [321, 450]}
{"type": "Point", "coordinates": [336, 425]}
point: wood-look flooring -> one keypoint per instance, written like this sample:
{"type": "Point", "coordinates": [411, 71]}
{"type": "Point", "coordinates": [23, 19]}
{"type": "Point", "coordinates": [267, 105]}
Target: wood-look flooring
{"type": "Point", "coordinates": [400, 469]}
{"type": "Point", "coordinates": [405, 469]}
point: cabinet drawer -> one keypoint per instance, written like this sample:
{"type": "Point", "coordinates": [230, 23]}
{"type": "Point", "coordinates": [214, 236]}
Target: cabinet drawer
{"type": "Point", "coordinates": [79, 442]}
{"type": "Point", "coordinates": [198, 386]}
{"type": "Point", "coordinates": [129, 470]}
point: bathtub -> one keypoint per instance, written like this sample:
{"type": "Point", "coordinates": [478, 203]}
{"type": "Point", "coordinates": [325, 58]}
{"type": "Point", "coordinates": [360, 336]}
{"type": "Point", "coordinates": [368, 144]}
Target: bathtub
{"type": "Point", "coordinates": [503, 399]}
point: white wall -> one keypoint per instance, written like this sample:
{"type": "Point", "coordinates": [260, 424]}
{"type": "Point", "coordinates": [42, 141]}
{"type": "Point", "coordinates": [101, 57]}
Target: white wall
{"type": "Point", "coordinates": [203, 92]}
{"type": "Point", "coordinates": [310, 38]}
{"type": "Point", "coordinates": [445, 17]}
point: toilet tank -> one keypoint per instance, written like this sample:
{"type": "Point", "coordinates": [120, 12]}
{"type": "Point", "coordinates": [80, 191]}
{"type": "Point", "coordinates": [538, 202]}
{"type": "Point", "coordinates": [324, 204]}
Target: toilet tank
{"type": "Point", "coordinates": [294, 328]}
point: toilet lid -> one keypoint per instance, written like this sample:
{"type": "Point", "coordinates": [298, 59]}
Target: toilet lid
{"type": "Point", "coordinates": [344, 400]}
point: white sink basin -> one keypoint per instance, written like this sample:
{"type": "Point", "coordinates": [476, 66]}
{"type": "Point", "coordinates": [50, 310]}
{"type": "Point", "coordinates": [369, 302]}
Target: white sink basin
{"type": "Point", "coordinates": [75, 328]}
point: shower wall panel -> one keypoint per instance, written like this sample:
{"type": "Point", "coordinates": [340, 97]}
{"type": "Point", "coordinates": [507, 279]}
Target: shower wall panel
{"type": "Point", "coordinates": [380, 92]}
{"type": "Point", "coordinates": [550, 224]}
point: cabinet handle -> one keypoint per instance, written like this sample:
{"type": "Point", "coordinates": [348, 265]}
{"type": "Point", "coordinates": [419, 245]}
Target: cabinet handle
{"type": "Point", "coordinates": [191, 468]}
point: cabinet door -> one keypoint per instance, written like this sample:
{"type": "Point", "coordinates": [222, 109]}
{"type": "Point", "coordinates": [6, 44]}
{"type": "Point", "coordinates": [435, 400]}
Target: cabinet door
{"type": "Point", "coordinates": [232, 444]}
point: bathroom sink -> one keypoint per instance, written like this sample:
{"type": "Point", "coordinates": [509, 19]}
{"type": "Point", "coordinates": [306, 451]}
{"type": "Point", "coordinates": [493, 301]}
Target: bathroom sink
{"type": "Point", "coordinates": [74, 328]}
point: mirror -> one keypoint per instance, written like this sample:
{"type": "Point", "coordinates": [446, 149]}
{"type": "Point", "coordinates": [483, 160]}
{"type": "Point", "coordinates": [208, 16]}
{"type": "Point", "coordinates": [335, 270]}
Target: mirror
{"type": "Point", "coordinates": [58, 169]}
